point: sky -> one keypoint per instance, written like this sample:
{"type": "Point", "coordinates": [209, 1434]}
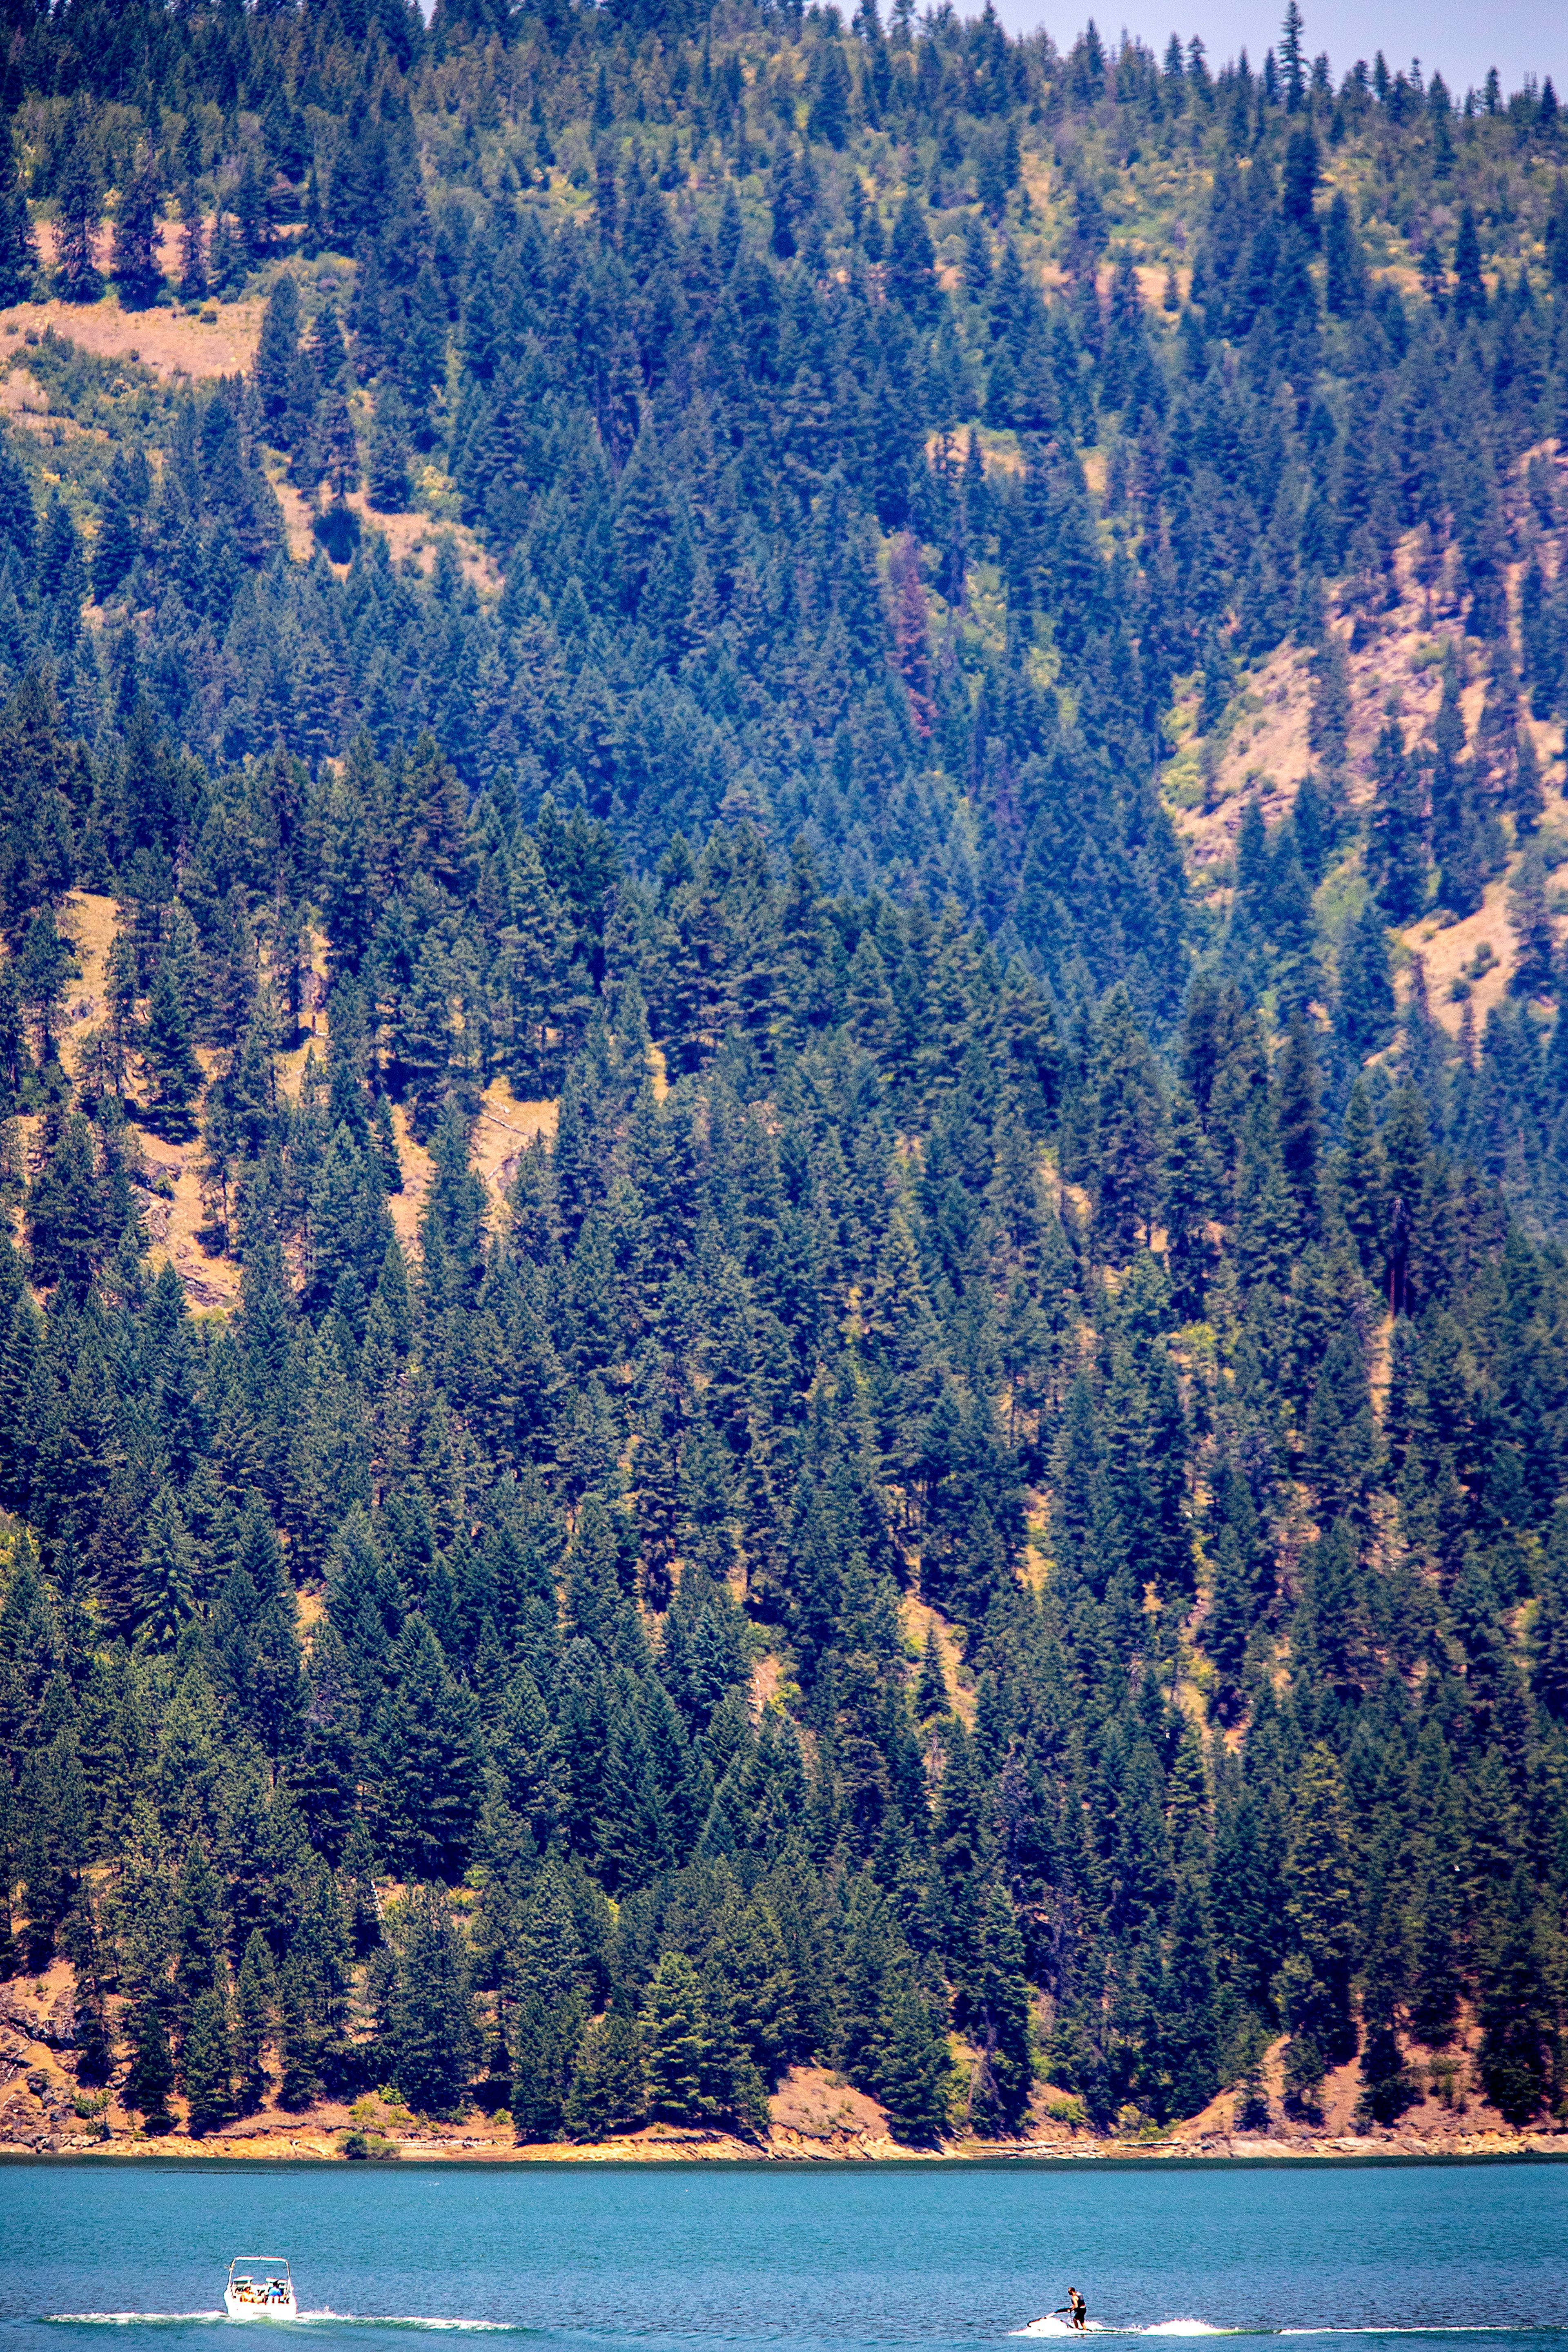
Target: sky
{"type": "Point", "coordinates": [1460, 37]}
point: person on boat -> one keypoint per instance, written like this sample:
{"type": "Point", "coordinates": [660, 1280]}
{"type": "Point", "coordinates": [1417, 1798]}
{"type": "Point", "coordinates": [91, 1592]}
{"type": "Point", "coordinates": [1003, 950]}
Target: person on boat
{"type": "Point", "coordinates": [1078, 2309]}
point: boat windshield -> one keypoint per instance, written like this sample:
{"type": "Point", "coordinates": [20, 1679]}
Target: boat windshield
{"type": "Point", "coordinates": [261, 2278]}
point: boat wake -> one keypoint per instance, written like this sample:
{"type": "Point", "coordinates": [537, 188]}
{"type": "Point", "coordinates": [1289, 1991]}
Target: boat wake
{"type": "Point", "coordinates": [305, 2319]}
{"type": "Point", "coordinates": [1053, 2325]}
{"type": "Point", "coordinates": [413, 2319]}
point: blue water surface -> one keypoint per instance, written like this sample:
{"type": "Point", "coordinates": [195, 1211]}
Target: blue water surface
{"type": "Point", "coordinates": [818, 2259]}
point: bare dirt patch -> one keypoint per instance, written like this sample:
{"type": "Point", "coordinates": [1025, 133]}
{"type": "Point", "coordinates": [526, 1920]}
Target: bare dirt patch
{"type": "Point", "coordinates": [173, 1207]}
{"type": "Point", "coordinates": [172, 342]}
{"type": "Point", "coordinates": [24, 401]}
{"type": "Point", "coordinates": [90, 919]}
{"type": "Point", "coordinates": [406, 1208]}
{"type": "Point", "coordinates": [1445, 954]}
{"type": "Point", "coordinates": [504, 1128]}
{"type": "Point", "coordinates": [921, 1619]}
{"type": "Point", "coordinates": [767, 1676]}
{"type": "Point", "coordinates": [169, 341]}
{"type": "Point", "coordinates": [1266, 751]}
{"type": "Point", "coordinates": [408, 534]}
{"type": "Point", "coordinates": [419, 535]}
{"type": "Point", "coordinates": [821, 2110]}
{"type": "Point", "coordinates": [176, 1225]}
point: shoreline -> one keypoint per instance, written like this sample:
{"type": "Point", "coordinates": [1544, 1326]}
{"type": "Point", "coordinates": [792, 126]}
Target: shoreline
{"type": "Point", "coordinates": [814, 2118]}
{"type": "Point", "coordinates": [717, 2147]}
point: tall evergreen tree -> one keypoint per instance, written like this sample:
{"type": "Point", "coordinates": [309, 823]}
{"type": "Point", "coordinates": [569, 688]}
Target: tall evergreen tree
{"type": "Point", "coordinates": [1396, 846]}
{"type": "Point", "coordinates": [135, 263]}
{"type": "Point", "coordinates": [151, 2078]}
{"type": "Point", "coordinates": [18, 245]}
{"type": "Point", "coordinates": [205, 2062]}
{"type": "Point", "coordinates": [79, 209]}
{"type": "Point", "coordinates": [433, 2040]}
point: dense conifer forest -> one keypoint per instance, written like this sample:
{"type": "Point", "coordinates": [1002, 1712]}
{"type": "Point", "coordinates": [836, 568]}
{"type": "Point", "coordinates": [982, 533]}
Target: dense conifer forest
{"type": "Point", "coordinates": [977, 1502]}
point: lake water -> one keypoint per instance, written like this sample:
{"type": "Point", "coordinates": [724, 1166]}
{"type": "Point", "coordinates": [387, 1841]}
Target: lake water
{"type": "Point", "coordinates": [589, 2258]}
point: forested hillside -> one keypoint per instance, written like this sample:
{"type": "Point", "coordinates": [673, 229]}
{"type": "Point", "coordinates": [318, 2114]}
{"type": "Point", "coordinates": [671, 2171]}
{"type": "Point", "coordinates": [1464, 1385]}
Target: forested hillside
{"type": "Point", "coordinates": [786, 1126]}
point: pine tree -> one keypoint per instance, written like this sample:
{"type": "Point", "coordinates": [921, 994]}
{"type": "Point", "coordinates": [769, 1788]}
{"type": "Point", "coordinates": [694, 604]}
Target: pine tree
{"type": "Point", "coordinates": [1388, 2086]}
{"type": "Point", "coordinates": [118, 542]}
{"type": "Point", "coordinates": [152, 2074]}
{"type": "Point", "coordinates": [390, 460]}
{"type": "Point", "coordinates": [134, 262]}
{"type": "Point", "coordinates": [166, 1574]}
{"type": "Point", "coordinates": [1364, 1012]}
{"type": "Point", "coordinates": [426, 1749]}
{"type": "Point", "coordinates": [1190, 1199]}
{"type": "Point", "coordinates": [433, 2040]}
{"type": "Point", "coordinates": [68, 1232]}
{"type": "Point", "coordinates": [168, 1056]}
{"type": "Point", "coordinates": [255, 2001]}
{"type": "Point", "coordinates": [1298, 1087]}
{"type": "Point", "coordinates": [997, 2015]}
{"type": "Point", "coordinates": [78, 211]}
{"type": "Point", "coordinates": [18, 246]}
{"type": "Point", "coordinates": [1434, 2001]}
{"type": "Point", "coordinates": [1292, 59]}
{"type": "Point", "coordinates": [1469, 287]}
{"type": "Point", "coordinates": [676, 2041]}
{"type": "Point", "coordinates": [828, 116]}
{"type": "Point", "coordinates": [330, 350]}
{"type": "Point", "coordinates": [931, 1695]}
{"type": "Point", "coordinates": [914, 2067]}
{"type": "Point", "coordinates": [1129, 1112]}
{"type": "Point", "coordinates": [1321, 1906]}
{"type": "Point", "coordinates": [608, 2093]}
{"type": "Point", "coordinates": [95, 2046]}
{"type": "Point", "coordinates": [1396, 846]}
{"type": "Point", "coordinates": [1189, 2030]}
{"type": "Point", "coordinates": [206, 2063]}
{"type": "Point", "coordinates": [252, 210]}
{"type": "Point", "coordinates": [910, 265]}
{"type": "Point", "coordinates": [278, 349]}
{"type": "Point", "coordinates": [337, 446]}
{"type": "Point", "coordinates": [297, 429]}
{"type": "Point", "coordinates": [1526, 797]}
{"type": "Point", "coordinates": [546, 2037]}
{"type": "Point", "coordinates": [312, 1995]}
{"type": "Point", "coordinates": [226, 257]}
{"type": "Point", "coordinates": [1228, 1623]}
{"type": "Point", "coordinates": [1530, 919]}
{"type": "Point", "coordinates": [193, 245]}
{"type": "Point", "coordinates": [1516, 2060]}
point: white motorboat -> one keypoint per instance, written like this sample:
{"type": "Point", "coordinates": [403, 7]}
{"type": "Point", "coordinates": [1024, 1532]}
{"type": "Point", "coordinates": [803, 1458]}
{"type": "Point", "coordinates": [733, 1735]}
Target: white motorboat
{"type": "Point", "coordinates": [260, 2287]}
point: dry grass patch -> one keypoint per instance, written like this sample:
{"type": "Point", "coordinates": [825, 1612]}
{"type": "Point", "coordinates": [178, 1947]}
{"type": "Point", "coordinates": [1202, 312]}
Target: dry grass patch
{"type": "Point", "coordinates": [504, 1128]}
{"type": "Point", "coordinates": [812, 2105]}
{"type": "Point", "coordinates": [1447, 952]}
{"type": "Point", "coordinates": [407, 1207]}
{"type": "Point", "coordinates": [173, 344]}
{"type": "Point", "coordinates": [90, 919]}
{"type": "Point", "coordinates": [920, 1619]}
{"type": "Point", "coordinates": [409, 534]}
{"type": "Point", "coordinates": [767, 1679]}
{"type": "Point", "coordinates": [24, 402]}
{"type": "Point", "coordinates": [419, 535]}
